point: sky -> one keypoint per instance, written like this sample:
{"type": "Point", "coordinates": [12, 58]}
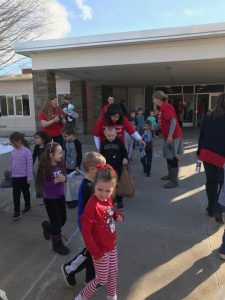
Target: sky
{"type": "Point", "coordinates": [71, 18]}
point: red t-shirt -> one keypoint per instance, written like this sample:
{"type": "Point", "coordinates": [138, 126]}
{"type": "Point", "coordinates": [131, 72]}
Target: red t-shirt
{"type": "Point", "coordinates": [54, 129]}
{"type": "Point", "coordinates": [101, 124]}
{"type": "Point", "coordinates": [167, 112]}
{"type": "Point", "coordinates": [105, 108]}
{"type": "Point", "coordinates": [98, 226]}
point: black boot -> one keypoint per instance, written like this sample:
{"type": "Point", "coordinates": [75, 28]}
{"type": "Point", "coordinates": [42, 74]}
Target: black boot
{"type": "Point", "coordinates": [47, 230]}
{"type": "Point", "coordinates": [58, 246]}
{"type": "Point", "coordinates": [167, 177]}
{"type": "Point", "coordinates": [173, 179]}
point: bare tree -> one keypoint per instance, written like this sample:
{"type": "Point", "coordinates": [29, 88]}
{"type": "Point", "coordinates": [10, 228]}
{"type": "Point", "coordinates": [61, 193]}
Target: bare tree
{"type": "Point", "coordinates": [19, 20]}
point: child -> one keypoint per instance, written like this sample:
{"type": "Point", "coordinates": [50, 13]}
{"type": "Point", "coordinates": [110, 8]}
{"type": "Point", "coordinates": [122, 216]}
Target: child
{"type": "Point", "coordinates": [73, 155]}
{"type": "Point", "coordinates": [99, 233]}
{"type": "Point", "coordinates": [140, 121]}
{"type": "Point", "coordinates": [51, 176]}
{"type": "Point", "coordinates": [152, 119]}
{"type": "Point", "coordinates": [83, 259]}
{"type": "Point", "coordinates": [21, 168]}
{"type": "Point", "coordinates": [146, 158]}
{"type": "Point", "coordinates": [115, 153]}
{"type": "Point", "coordinates": [41, 138]}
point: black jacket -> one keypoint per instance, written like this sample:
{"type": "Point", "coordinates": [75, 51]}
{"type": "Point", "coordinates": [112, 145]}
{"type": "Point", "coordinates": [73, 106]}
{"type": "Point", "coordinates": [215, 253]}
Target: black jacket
{"type": "Point", "coordinates": [114, 153]}
{"type": "Point", "coordinates": [78, 147]}
{"type": "Point", "coordinates": [212, 135]}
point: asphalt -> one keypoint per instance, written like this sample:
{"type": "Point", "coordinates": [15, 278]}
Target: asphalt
{"type": "Point", "coordinates": [168, 246]}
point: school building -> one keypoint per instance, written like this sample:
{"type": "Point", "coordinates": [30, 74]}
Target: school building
{"type": "Point", "coordinates": [187, 63]}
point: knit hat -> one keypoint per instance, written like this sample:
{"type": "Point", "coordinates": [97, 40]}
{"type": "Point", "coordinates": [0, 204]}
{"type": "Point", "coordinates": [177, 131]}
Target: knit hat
{"type": "Point", "coordinates": [159, 95]}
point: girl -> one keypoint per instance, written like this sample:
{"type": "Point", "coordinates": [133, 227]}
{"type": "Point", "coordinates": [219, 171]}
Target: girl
{"type": "Point", "coordinates": [51, 177]}
{"type": "Point", "coordinates": [21, 168]}
{"type": "Point", "coordinates": [99, 233]}
{"type": "Point", "coordinates": [52, 119]}
{"type": "Point", "coordinates": [41, 139]}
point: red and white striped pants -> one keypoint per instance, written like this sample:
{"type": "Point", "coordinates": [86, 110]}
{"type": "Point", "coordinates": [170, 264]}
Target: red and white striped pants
{"type": "Point", "coordinates": [105, 274]}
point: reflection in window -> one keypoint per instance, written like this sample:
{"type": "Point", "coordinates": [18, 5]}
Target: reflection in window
{"type": "Point", "coordinates": [10, 105]}
{"type": "Point", "coordinates": [3, 105]}
{"type": "Point", "coordinates": [26, 106]}
{"type": "Point", "coordinates": [18, 101]}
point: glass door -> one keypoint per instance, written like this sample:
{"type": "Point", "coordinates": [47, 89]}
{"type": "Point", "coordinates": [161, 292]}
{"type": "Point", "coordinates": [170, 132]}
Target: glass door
{"type": "Point", "coordinates": [202, 106]}
{"type": "Point", "coordinates": [212, 100]}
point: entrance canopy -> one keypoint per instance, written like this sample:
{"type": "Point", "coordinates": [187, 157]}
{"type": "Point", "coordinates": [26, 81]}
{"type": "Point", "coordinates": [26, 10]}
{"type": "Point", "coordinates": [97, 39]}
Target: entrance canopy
{"type": "Point", "coordinates": [174, 56]}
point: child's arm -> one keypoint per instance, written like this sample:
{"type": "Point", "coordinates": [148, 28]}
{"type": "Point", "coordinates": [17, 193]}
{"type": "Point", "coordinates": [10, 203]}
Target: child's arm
{"type": "Point", "coordinates": [88, 220]}
{"type": "Point", "coordinates": [123, 150]}
{"type": "Point", "coordinates": [78, 147]}
{"type": "Point", "coordinates": [29, 166]}
{"type": "Point", "coordinates": [35, 153]}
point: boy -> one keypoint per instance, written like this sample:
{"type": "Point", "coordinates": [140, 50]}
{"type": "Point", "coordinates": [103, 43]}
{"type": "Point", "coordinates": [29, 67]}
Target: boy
{"type": "Point", "coordinates": [115, 153]}
{"type": "Point", "coordinates": [146, 155]}
{"type": "Point", "coordinates": [83, 259]}
{"type": "Point", "coordinates": [73, 155]}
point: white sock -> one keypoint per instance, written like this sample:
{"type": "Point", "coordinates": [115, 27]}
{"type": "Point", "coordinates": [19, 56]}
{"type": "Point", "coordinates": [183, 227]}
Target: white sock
{"type": "Point", "coordinates": [112, 297]}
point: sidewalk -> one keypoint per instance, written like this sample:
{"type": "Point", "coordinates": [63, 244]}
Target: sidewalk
{"type": "Point", "coordinates": [167, 245]}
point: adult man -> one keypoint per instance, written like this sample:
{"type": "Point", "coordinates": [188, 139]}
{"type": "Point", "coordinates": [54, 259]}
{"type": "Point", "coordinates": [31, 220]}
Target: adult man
{"type": "Point", "coordinates": [172, 135]}
{"type": "Point", "coordinates": [68, 109]}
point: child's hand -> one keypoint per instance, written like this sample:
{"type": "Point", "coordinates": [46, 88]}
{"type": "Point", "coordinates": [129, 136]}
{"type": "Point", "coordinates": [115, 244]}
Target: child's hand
{"type": "Point", "coordinates": [56, 180]}
{"type": "Point", "coordinates": [100, 259]}
{"type": "Point", "coordinates": [125, 161]}
{"type": "Point", "coordinates": [29, 181]}
{"type": "Point", "coordinates": [119, 218]}
{"type": "Point", "coordinates": [62, 178]}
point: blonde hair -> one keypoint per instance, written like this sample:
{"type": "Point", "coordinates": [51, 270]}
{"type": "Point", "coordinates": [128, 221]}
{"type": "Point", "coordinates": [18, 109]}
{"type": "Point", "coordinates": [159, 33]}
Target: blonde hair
{"type": "Point", "coordinates": [106, 175]}
{"type": "Point", "coordinates": [109, 129]}
{"type": "Point", "coordinates": [91, 159]}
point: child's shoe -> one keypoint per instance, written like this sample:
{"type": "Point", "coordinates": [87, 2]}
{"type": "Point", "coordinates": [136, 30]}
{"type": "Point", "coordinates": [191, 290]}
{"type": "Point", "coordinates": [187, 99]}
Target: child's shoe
{"type": "Point", "coordinates": [58, 246]}
{"type": "Point", "coordinates": [26, 209]}
{"type": "Point", "coordinates": [68, 278]}
{"type": "Point", "coordinates": [222, 248]}
{"type": "Point", "coordinates": [16, 216]}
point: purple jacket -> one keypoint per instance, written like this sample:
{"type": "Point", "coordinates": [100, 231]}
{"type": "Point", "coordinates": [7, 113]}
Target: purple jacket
{"type": "Point", "coordinates": [21, 164]}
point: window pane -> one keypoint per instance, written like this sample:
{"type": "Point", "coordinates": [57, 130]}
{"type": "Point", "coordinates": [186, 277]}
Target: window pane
{"type": "Point", "coordinates": [19, 110]}
{"type": "Point", "coordinates": [26, 105]}
{"type": "Point", "coordinates": [3, 105]}
{"type": "Point", "coordinates": [10, 105]}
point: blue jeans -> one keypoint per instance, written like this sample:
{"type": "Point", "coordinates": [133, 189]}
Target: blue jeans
{"type": "Point", "coordinates": [147, 159]}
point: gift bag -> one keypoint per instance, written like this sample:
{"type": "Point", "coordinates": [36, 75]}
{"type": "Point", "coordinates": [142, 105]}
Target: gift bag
{"type": "Point", "coordinates": [126, 187]}
{"type": "Point", "coordinates": [72, 185]}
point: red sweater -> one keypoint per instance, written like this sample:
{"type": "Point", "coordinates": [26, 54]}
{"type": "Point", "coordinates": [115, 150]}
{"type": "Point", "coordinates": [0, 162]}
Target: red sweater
{"type": "Point", "coordinates": [54, 129]}
{"type": "Point", "coordinates": [101, 124]}
{"type": "Point", "coordinates": [167, 112]}
{"type": "Point", "coordinates": [98, 226]}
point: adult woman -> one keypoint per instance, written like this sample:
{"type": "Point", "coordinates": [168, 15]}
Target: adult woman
{"type": "Point", "coordinates": [52, 119]}
{"type": "Point", "coordinates": [114, 117]}
{"type": "Point", "coordinates": [211, 150]}
{"type": "Point", "coordinates": [172, 135]}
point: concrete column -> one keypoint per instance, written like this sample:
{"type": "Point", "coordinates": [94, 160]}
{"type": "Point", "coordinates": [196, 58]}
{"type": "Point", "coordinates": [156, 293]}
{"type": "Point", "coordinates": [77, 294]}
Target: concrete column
{"type": "Point", "coordinates": [44, 84]}
{"type": "Point", "coordinates": [87, 98]}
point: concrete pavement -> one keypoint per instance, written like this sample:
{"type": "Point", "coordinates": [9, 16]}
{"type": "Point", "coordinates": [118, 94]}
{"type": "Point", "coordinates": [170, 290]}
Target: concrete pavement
{"type": "Point", "coordinates": [168, 246]}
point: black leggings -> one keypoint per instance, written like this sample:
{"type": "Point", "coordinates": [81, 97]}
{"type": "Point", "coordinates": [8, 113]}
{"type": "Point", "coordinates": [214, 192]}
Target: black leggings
{"type": "Point", "coordinates": [20, 185]}
{"type": "Point", "coordinates": [56, 210]}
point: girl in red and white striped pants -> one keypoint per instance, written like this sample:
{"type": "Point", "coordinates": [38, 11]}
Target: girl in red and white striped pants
{"type": "Point", "coordinates": [99, 233]}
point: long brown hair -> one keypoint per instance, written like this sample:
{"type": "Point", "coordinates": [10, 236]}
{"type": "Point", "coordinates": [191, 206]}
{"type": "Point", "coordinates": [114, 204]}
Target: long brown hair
{"type": "Point", "coordinates": [47, 107]}
{"type": "Point", "coordinates": [18, 137]}
{"type": "Point", "coordinates": [45, 166]}
{"type": "Point", "coordinates": [219, 110]}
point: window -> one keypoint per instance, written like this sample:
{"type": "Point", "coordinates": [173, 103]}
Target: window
{"type": "Point", "coordinates": [10, 105]}
{"type": "Point", "coordinates": [3, 105]}
{"type": "Point", "coordinates": [17, 105]}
